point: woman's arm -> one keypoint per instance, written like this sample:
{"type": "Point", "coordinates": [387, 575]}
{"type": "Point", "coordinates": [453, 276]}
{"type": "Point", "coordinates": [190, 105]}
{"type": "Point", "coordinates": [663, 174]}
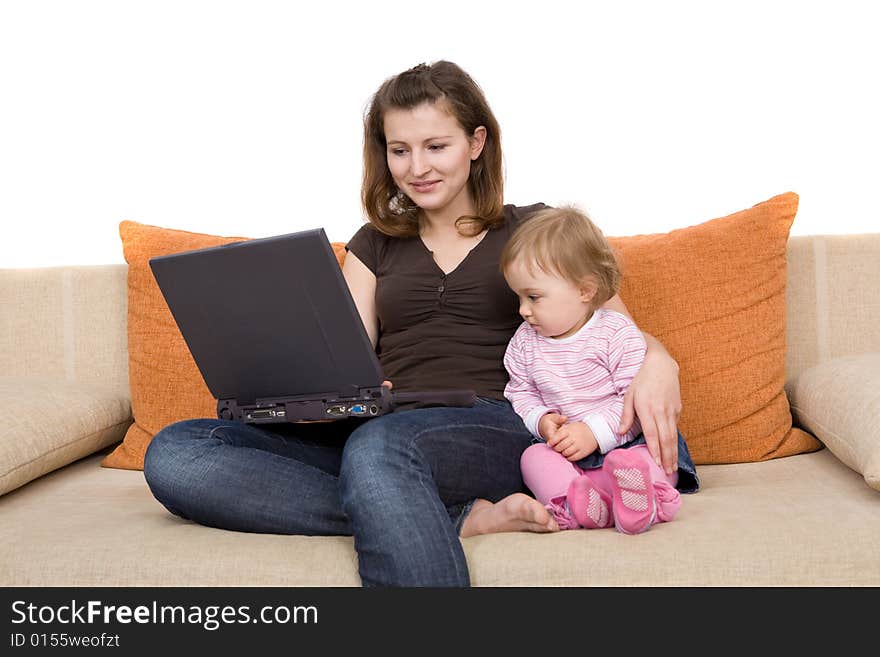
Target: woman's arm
{"type": "Point", "coordinates": [654, 396]}
{"type": "Point", "coordinates": [362, 284]}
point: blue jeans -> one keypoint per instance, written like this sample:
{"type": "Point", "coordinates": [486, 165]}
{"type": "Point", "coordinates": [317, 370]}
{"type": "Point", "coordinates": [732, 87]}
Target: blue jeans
{"type": "Point", "coordinates": [401, 483]}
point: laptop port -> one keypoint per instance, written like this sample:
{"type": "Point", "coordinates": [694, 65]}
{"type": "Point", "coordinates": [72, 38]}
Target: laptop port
{"type": "Point", "coordinates": [374, 410]}
{"type": "Point", "coordinates": [336, 411]}
{"type": "Point", "coordinates": [358, 409]}
{"type": "Point", "coordinates": [265, 413]}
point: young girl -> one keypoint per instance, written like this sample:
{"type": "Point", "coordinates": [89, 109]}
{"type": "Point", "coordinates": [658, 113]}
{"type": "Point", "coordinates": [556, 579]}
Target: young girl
{"type": "Point", "coordinates": [570, 363]}
{"type": "Point", "coordinates": [424, 275]}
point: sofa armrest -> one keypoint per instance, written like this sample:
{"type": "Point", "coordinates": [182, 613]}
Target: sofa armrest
{"type": "Point", "coordinates": [65, 322]}
{"type": "Point", "coordinates": [838, 401]}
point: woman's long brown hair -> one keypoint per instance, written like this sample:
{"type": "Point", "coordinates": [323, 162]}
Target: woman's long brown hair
{"type": "Point", "coordinates": [390, 210]}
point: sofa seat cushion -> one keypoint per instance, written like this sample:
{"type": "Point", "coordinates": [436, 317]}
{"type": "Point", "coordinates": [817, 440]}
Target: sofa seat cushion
{"type": "Point", "coordinates": [49, 422]}
{"type": "Point", "coordinates": [799, 520]}
{"type": "Point", "coordinates": [102, 527]}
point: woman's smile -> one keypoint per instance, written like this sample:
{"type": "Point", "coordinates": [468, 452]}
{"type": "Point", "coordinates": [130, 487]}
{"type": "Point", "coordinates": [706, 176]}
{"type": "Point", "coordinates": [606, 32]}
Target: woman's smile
{"type": "Point", "coordinates": [425, 186]}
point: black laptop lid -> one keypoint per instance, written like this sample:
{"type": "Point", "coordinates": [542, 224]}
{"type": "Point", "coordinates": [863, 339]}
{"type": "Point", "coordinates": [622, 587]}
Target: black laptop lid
{"type": "Point", "coordinates": [269, 317]}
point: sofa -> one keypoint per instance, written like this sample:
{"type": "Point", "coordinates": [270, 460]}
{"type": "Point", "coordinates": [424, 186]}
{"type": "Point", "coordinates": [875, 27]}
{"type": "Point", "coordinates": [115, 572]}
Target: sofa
{"type": "Point", "coordinates": [811, 519]}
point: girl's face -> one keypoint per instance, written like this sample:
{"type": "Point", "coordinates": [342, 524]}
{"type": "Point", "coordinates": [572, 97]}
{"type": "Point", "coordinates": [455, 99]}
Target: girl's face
{"type": "Point", "coordinates": [429, 155]}
{"type": "Point", "coordinates": [552, 305]}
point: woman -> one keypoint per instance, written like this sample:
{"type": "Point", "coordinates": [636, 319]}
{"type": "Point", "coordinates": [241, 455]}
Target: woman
{"type": "Point", "coordinates": [425, 278]}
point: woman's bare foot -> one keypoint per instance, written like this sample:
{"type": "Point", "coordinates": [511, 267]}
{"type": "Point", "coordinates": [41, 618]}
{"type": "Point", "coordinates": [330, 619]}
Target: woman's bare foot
{"type": "Point", "coordinates": [515, 513]}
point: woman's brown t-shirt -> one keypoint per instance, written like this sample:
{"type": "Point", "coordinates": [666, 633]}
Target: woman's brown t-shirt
{"type": "Point", "coordinates": [441, 331]}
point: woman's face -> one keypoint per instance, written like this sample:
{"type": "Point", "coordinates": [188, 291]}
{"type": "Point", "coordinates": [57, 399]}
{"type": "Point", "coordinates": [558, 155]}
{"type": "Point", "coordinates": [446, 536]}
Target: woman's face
{"type": "Point", "coordinates": [429, 155]}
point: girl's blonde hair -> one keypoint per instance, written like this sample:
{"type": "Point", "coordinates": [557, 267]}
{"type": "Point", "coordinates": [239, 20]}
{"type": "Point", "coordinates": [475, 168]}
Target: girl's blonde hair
{"type": "Point", "coordinates": [564, 242]}
{"type": "Point", "coordinates": [450, 88]}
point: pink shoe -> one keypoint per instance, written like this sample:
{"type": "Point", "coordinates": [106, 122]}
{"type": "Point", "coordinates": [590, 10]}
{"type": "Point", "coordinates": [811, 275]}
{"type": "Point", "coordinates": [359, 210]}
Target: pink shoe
{"type": "Point", "coordinates": [558, 508]}
{"type": "Point", "coordinates": [635, 504]}
{"type": "Point", "coordinates": [590, 506]}
{"type": "Point", "coordinates": [668, 500]}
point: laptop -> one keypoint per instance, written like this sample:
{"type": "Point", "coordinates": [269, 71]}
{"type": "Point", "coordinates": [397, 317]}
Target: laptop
{"type": "Point", "coordinates": [276, 335]}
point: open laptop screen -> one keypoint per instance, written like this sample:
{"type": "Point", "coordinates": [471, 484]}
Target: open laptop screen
{"type": "Point", "coordinates": [269, 317]}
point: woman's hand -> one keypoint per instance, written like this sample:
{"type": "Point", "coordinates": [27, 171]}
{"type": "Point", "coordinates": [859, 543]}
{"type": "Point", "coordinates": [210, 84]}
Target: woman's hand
{"type": "Point", "coordinates": [654, 396]}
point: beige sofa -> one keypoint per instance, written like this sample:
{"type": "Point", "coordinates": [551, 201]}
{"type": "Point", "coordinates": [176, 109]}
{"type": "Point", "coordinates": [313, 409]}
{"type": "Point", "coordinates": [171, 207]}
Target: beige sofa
{"type": "Point", "coordinates": [811, 519]}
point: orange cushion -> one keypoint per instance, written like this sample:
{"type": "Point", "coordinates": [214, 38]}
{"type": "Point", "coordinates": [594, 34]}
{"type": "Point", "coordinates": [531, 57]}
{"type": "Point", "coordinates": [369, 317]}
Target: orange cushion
{"type": "Point", "coordinates": [714, 295]}
{"type": "Point", "coordinates": [165, 383]}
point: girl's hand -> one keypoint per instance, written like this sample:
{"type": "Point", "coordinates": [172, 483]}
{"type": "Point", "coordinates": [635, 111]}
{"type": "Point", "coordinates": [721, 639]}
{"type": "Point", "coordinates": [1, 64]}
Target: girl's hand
{"type": "Point", "coordinates": [574, 441]}
{"type": "Point", "coordinates": [549, 424]}
{"type": "Point", "coordinates": [654, 396]}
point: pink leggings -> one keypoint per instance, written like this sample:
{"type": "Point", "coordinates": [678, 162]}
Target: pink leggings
{"type": "Point", "coordinates": [548, 473]}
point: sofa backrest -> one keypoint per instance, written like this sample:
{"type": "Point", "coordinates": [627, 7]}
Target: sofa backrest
{"type": "Point", "coordinates": [833, 298]}
{"type": "Point", "coordinates": [66, 322]}
{"type": "Point", "coordinates": [71, 321]}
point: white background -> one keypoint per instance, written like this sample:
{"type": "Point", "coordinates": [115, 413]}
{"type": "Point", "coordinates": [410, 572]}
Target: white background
{"type": "Point", "coordinates": [245, 118]}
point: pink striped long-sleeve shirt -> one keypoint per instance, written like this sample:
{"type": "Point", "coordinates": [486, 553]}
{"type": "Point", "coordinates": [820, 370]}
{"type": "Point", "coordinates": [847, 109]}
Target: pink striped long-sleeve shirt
{"type": "Point", "coordinates": [583, 376]}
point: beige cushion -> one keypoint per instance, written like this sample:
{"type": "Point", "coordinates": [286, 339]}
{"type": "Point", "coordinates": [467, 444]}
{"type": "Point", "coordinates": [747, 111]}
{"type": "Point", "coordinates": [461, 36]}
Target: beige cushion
{"type": "Point", "coordinates": [795, 521]}
{"type": "Point", "coordinates": [49, 422]}
{"type": "Point", "coordinates": [838, 401]}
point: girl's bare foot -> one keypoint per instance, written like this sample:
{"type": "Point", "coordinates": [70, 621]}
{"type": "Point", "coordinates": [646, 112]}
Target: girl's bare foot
{"type": "Point", "coordinates": [515, 513]}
